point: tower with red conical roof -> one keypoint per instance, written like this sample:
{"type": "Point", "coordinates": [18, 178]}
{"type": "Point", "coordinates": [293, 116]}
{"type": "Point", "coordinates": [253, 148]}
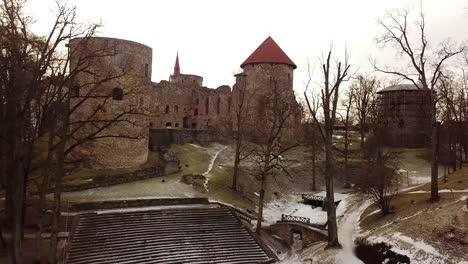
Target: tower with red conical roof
{"type": "Point", "coordinates": [266, 69]}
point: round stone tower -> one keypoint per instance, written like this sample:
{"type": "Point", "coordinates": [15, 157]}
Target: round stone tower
{"type": "Point", "coordinates": [110, 77]}
{"type": "Point", "coordinates": [406, 115]}
{"type": "Point", "coordinates": [268, 65]}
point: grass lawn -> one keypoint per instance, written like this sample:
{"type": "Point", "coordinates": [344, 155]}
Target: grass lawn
{"type": "Point", "coordinates": [406, 201]}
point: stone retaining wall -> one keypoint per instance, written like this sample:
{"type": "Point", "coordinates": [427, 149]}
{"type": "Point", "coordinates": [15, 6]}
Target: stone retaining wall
{"type": "Point", "coordinates": [103, 181]}
{"type": "Point", "coordinates": [161, 137]}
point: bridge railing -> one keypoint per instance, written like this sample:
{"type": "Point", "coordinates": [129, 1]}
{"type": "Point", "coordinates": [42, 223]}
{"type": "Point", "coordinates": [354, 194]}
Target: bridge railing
{"type": "Point", "coordinates": [293, 218]}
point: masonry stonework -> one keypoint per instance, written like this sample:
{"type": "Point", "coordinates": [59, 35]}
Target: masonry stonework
{"type": "Point", "coordinates": [121, 76]}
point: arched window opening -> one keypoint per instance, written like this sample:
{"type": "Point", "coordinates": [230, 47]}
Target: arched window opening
{"type": "Point", "coordinates": [176, 125]}
{"type": "Point", "coordinates": [146, 70]}
{"type": "Point", "coordinates": [218, 105]}
{"type": "Point", "coordinates": [75, 91]}
{"type": "Point", "coordinates": [195, 112]}
{"type": "Point", "coordinates": [117, 94]}
{"type": "Point", "coordinates": [168, 124]}
{"type": "Point", "coordinates": [176, 108]}
{"type": "Point", "coordinates": [167, 109]}
{"type": "Point", "coordinates": [207, 105]}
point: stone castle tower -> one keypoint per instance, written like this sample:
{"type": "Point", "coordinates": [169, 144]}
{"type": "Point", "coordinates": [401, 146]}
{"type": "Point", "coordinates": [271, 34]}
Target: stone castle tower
{"type": "Point", "coordinates": [109, 88]}
{"type": "Point", "coordinates": [268, 65]}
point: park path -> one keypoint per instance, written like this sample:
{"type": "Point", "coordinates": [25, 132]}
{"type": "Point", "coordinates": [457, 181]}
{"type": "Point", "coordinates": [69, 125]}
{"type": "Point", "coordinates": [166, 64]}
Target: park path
{"type": "Point", "coordinates": [210, 167]}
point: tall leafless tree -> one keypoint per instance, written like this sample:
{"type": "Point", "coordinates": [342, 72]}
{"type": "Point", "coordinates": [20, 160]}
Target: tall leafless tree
{"type": "Point", "coordinates": [424, 70]}
{"type": "Point", "coordinates": [37, 101]}
{"type": "Point", "coordinates": [241, 108]}
{"type": "Point", "coordinates": [270, 139]}
{"type": "Point", "coordinates": [364, 90]}
{"type": "Point", "coordinates": [333, 78]}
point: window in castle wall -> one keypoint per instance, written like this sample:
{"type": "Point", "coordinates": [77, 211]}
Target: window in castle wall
{"type": "Point", "coordinates": [168, 124]}
{"type": "Point", "coordinates": [146, 70]}
{"type": "Point", "coordinates": [194, 125]}
{"type": "Point", "coordinates": [229, 104]}
{"type": "Point", "coordinates": [207, 105]}
{"type": "Point", "coordinates": [176, 108]}
{"type": "Point", "coordinates": [176, 125]}
{"type": "Point", "coordinates": [75, 91]}
{"type": "Point", "coordinates": [167, 109]}
{"type": "Point", "coordinates": [218, 105]}
{"type": "Point", "coordinates": [117, 94]}
{"type": "Point", "coordinates": [195, 112]}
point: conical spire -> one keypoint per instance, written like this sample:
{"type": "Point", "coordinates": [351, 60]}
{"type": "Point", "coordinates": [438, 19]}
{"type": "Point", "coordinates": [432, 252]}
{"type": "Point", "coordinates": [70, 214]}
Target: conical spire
{"type": "Point", "coordinates": [177, 67]}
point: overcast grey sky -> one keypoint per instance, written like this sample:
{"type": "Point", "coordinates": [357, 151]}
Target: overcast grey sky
{"type": "Point", "coordinates": [214, 37]}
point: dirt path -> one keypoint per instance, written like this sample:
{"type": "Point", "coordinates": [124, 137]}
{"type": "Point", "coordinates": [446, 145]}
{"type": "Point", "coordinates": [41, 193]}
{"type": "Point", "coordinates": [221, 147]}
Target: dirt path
{"type": "Point", "coordinates": [348, 227]}
{"type": "Point", "coordinates": [210, 167]}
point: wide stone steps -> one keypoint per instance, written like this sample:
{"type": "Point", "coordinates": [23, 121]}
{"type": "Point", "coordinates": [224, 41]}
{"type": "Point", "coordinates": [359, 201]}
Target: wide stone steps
{"type": "Point", "coordinates": [195, 235]}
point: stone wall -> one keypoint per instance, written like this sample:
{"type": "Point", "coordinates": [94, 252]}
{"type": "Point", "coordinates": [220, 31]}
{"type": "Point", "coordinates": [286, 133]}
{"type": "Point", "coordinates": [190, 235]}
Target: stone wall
{"type": "Point", "coordinates": [406, 118]}
{"type": "Point", "coordinates": [309, 235]}
{"type": "Point", "coordinates": [258, 82]}
{"type": "Point", "coordinates": [191, 106]}
{"type": "Point", "coordinates": [165, 136]}
{"type": "Point", "coordinates": [103, 181]}
{"type": "Point", "coordinates": [109, 101]}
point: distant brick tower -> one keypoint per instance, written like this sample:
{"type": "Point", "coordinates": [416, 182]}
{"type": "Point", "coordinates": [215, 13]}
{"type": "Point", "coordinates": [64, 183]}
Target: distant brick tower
{"type": "Point", "coordinates": [266, 64]}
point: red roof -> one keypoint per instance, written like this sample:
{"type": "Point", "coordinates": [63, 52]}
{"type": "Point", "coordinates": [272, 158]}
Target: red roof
{"type": "Point", "coordinates": [268, 52]}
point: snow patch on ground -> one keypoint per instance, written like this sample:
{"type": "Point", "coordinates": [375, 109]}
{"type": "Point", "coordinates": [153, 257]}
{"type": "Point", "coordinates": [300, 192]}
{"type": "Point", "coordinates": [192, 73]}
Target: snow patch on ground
{"type": "Point", "coordinates": [292, 205]}
{"type": "Point", "coordinates": [418, 251]}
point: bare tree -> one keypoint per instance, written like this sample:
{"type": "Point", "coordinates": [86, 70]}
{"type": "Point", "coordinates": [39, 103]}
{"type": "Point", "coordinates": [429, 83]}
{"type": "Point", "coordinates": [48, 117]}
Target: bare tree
{"type": "Point", "coordinates": [364, 91]}
{"type": "Point", "coordinates": [346, 120]}
{"type": "Point", "coordinates": [270, 139]}
{"type": "Point", "coordinates": [333, 77]}
{"type": "Point", "coordinates": [38, 99]}
{"type": "Point", "coordinates": [241, 109]}
{"type": "Point", "coordinates": [425, 69]}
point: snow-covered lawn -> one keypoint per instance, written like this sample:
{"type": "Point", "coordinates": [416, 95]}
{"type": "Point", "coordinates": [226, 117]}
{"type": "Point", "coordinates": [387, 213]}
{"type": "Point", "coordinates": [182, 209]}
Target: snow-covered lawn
{"type": "Point", "coordinates": [292, 205]}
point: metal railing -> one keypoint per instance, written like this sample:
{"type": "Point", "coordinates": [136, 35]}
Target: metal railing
{"type": "Point", "coordinates": [293, 218]}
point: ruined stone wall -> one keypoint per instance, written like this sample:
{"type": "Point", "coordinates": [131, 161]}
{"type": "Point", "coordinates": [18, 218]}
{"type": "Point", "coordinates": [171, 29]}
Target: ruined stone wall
{"type": "Point", "coordinates": [211, 107]}
{"type": "Point", "coordinates": [175, 105]}
{"type": "Point", "coordinates": [406, 118]}
{"type": "Point", "coordinates": [165, 136]}
{"type": "Point", "coordinates": [109, 101]}
{"type": "Point", "coordinates": [191, 106]}
{"type": "Point", "coordinates": [187, 79]}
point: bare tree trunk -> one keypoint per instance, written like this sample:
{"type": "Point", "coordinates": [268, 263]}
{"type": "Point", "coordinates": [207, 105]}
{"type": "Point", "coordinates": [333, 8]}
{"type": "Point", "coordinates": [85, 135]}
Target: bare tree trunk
{"type": "Point", "coordinates": [434, 163]}
{"type": "Point", "coordinates": [235, 175]}
{"type": "Point", "coordinates": [261, 200]}
{"type": "Point", "coordinates": [314, 151]}
{"type": "Point", "coordinates": [361, 132]}
{"type": "Point", "coordinates": [330, 203]}
{"type": "Point", "coordinates": [62, 110]}
{"type": "Point", "coordinates": [44, 189]}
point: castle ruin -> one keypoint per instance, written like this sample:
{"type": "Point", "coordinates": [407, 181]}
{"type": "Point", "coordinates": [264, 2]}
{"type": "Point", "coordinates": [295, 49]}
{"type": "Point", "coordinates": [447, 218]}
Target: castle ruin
{"type": "Point", "coordinates": [181, 102]}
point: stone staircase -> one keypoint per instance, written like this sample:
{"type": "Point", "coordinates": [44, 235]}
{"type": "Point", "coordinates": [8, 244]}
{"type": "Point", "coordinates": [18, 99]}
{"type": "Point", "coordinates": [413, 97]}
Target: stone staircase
{"type": "Point", "coordinates": [189, 235]}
